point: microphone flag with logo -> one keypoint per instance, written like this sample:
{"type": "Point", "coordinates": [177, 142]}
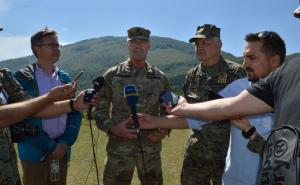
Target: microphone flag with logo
{"type": "Point", "coordinates": [132, 97]}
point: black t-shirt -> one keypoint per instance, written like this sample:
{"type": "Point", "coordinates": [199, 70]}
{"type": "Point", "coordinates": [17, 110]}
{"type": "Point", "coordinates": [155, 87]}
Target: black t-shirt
{"type": "Point", "coordinates": [281, 90]}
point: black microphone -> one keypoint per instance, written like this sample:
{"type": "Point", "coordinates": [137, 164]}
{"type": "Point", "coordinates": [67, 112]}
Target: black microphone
{"type": "Point", "coordinates": [132, 98]}
{"type": "Point", "coordinates": [89, 93]}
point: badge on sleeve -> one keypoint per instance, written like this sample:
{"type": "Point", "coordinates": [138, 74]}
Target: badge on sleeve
{"type": "Point", "coordinates": [222, 78]}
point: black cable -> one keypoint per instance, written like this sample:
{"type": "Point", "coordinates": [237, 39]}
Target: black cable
{"type": "Point", "coordinates": [136, 125]}
{"type": "Point", "coordinates": [90, 169]}
{"type": "Point", "coordinates": [93, 145]}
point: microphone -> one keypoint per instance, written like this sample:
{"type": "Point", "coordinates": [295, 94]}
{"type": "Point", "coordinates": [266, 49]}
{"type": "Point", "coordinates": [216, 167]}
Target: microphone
{"type": "Point", "coordinates": [89, 93]}
{"type": "Point", "coordinates": [132, 98]}
{"type": "Point", "coordinates": [169, 97]}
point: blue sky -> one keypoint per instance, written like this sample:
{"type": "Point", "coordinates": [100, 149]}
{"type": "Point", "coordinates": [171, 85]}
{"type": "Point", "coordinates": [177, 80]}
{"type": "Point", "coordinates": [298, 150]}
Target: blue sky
{"type": "Point", "coordinates": [76, 20]}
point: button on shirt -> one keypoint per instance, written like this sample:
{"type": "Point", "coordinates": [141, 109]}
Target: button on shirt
{"type": "Point", "coordinates": [54, 126]}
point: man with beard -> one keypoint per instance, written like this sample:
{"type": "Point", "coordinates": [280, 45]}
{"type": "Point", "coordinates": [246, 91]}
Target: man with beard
{"type": "Point", "coordinates": [112, 113]}
{"type": "Point", "coordinates": [264, 52]}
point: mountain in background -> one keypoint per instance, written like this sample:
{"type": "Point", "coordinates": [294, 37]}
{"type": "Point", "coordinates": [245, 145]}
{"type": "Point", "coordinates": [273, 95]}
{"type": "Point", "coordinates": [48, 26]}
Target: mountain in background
{"type": "Point", "coordinates": [95, 56]}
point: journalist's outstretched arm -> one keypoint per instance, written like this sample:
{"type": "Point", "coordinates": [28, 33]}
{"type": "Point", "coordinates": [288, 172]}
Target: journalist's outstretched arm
{"type": "Point", "coordinates": [15, 112]}
{"type": "Point", "coordinates": [60, 107]}
{"type": "Point", "coordinates": [244, 104]}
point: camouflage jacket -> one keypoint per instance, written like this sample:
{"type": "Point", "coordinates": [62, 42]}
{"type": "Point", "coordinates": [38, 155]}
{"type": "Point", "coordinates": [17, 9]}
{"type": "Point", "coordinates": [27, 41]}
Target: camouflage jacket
{"type": "Point", "coordinates": [197, 87]}
{"type": "Point", "coordinates": [9, 174]}
{"type": "Point", "coordinates": [150, 82]}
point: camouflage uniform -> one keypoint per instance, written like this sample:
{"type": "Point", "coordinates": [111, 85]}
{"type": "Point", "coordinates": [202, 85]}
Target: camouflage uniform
{"type": "Point", "coordinates": [9, 174]}
{"type": "Point", "coordinates": [122, 154]}
{"type": "Point", "coordinates": [206, 150]}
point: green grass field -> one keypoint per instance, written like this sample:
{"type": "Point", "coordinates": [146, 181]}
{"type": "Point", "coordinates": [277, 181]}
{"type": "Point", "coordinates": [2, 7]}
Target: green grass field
{"type": "Point", "coordinates": [81, 160]}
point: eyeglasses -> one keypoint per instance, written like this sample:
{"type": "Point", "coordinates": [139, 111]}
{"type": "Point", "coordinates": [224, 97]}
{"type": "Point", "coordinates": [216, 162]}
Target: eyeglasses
{"type": "Point", "coordinates": [51, 45]}
{"type": "Point", "coordinates": [270, 36]}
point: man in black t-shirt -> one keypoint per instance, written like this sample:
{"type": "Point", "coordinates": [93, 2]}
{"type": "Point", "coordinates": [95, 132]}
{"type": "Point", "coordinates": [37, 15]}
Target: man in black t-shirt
{"type": "Point", "coordinates": [281, 92]}
{"type": "Point", "coordinates": [278, 93]}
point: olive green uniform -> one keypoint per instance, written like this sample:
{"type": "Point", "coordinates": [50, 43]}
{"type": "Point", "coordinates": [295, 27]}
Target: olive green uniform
{"type": "Point", "coordinates": [123, 154]}
{"type": "Point", "coordinates": [206, 150]}
{"type": "Point", "coordinates": [9, 174]}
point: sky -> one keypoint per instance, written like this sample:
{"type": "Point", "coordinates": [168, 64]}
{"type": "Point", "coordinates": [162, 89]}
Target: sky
{"type": "Point", "coordinates": [77, 20]}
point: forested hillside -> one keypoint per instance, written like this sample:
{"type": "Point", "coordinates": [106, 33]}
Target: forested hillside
{"type": "Point", "coordinates": [95, 56]}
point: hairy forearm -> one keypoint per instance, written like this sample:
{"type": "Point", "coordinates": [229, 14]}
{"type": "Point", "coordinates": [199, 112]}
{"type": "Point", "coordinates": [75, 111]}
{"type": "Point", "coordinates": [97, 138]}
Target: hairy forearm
{"type": "Point", "coordinates": [228, 108]}
{"type": "Point", "coordinates": [13, 113]}
{"type": "Point", "coordinates": [211, 110]}
{"type": "Point", "coordinates": [54, 109]}
{"type": "Point", "coordinates": [172, 122]}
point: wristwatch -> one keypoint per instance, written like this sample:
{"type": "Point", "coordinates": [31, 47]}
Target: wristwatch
{"type": "Point", "coordinates": [249, 133]}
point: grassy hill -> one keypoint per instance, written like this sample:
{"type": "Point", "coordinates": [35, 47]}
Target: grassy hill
{"type": "Point", "coordinates": [95, 56]}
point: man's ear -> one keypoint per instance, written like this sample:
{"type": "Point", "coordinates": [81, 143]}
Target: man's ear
{"type": "Point", "coordinates": [275, 61]}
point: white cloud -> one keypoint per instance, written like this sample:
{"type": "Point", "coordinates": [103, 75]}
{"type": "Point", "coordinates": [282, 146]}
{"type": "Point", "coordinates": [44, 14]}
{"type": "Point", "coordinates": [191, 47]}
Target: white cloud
{"type": "Point", "coordinates": [6, 5]}
{"type": "Point", "coordinates": [14, 47]}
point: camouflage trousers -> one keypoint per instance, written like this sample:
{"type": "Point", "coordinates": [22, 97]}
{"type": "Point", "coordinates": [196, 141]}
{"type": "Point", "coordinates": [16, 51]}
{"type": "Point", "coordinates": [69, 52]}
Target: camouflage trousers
{"type": "Point", "coordinates": [119, 169]}
{"type": "Point", "coordinates": [9, 174]}
{"type": "Point", "coordinates": [203, 164]}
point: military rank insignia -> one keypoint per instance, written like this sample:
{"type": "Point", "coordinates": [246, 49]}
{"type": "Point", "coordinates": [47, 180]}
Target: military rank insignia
{"type": "Point", "coordinates": [222, 78]}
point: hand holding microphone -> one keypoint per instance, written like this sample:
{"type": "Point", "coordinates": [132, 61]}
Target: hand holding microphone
{"type": "Point", "coordinates": [131, 95]}
{"type": "Point", "coordinates": [89, 93]}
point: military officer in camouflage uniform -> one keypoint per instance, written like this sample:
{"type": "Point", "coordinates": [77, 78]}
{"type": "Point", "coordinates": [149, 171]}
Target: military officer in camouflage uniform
{"type": "Point", "coordinates": [112, 113]}
{"type": "Point", "coordinates": [206, 150]}
{"type": "Point", "coordinates": [11, 92]}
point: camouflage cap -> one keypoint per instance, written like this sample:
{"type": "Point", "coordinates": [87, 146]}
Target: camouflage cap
{"type": "Point", "coordinates": [206, 31]}
{"type": "Point", "coordinates": [138, 33]}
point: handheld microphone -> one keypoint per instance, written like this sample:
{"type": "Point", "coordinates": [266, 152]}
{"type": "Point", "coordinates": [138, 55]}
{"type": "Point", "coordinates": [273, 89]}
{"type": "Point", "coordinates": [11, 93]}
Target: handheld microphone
{"type": "Point", "coordinates": [169, 97]}
{"type": "Point", "coordinates": [132, 98]}
{"type": "Point", "coordinates": [89, 93]}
